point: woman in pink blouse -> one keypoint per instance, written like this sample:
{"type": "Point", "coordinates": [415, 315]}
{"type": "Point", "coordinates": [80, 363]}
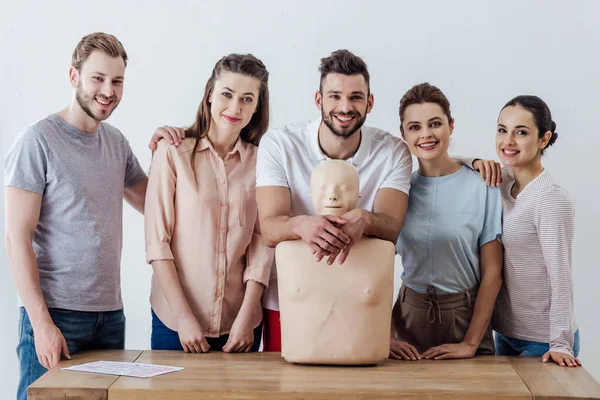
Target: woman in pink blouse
{"type": "Point", "coordinates": [202, 234]}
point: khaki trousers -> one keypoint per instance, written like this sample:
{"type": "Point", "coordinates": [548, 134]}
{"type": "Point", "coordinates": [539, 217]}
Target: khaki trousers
{"type": "Point", "coordinates": [428, 320]}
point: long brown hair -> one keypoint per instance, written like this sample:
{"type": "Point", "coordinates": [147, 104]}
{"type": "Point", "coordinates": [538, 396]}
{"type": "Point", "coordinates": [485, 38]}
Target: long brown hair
{"type": "Point", "coordinates": [247, 65]}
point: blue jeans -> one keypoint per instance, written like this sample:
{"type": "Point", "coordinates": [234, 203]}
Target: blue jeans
{"type": "Point", "coordinates": [164, 338]}
{"type": "Point", "coordinates": [82, 331]}
{"type": "Point", "coordinates": [507, 346]}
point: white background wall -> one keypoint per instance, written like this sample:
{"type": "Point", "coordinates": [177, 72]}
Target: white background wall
{"type": "Point", "coordinates": [480, 53]}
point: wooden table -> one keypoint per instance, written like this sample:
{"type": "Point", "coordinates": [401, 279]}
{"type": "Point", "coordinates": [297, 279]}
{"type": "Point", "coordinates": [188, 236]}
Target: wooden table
{"type": "Point", "coordinates": [267, 376]}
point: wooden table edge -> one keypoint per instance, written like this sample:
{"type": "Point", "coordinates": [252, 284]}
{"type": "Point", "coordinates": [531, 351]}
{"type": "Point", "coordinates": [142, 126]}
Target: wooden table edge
{"type": "Point", "coordinates": [543, 396]}
{"type": "Point", "coordinates": [510, 361]}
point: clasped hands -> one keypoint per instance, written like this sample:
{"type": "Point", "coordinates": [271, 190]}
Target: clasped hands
{"type": "Point", "coordinates": [332, 237]}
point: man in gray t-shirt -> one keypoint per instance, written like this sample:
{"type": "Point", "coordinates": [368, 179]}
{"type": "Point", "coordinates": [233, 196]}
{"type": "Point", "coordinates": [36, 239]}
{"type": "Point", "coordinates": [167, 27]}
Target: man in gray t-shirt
{"type": "Point", "coordinates": [66, 177]}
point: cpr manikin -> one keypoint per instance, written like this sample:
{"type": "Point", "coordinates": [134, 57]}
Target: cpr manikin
{"type": "Point", "coordinates": [335, 314]}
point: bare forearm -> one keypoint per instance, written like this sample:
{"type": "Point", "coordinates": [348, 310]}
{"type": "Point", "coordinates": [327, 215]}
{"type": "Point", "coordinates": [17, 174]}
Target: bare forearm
{"type": "Point", "coordinates": [484, 306]}
{"type": "Point", "coordinates": [136, 195]}
{"type": "Point", "coordinates": [382, 226]}
{"type": "Point", "coordinates": [254, 291]}
{"type": "Point", "coordinates": [280, 228]}
{"type": "Point", "coordinates": [167, 277]}
{"type": "Point", "coordinates": [25, 271]}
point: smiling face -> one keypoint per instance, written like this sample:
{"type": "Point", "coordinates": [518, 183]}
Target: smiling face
{"type": "Point", "coordinates": [233, 101]}
{"type": "Point", "coordinates": [344, 101]}
{"type": "Point", "coordinates": [99, 84]}
{"type": "Point", "coordinates": [517, 137]}
{"type": "Point", "coordinates": [426, 130]}
{"type": "Point", "coordinates": [334, 186]}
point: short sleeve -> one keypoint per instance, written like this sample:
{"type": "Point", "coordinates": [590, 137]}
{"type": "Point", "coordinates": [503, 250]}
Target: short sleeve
{"type": "Point", "coordinates": [134, 173]}
{"type": "Point", "coordinates": [26, 163]}
{"type": "Point", "coordinates": [269, 162]}
{"type": "Point", "coordinates": [399, 176]}
{"type": "Point", "coordinates": [492, 224]}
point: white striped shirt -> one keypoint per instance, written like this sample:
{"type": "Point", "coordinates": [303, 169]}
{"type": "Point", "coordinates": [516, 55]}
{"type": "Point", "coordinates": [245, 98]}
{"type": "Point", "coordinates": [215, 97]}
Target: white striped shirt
{"type": "Point", "coordinates": [536, 300]}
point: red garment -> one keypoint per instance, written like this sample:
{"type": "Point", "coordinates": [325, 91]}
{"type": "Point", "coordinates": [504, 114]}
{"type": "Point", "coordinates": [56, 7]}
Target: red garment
{"type": "Point", "coordinates": [271, 330]}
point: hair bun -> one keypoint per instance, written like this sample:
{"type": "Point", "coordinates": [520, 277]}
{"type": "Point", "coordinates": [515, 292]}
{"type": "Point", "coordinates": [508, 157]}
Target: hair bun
{"type": "Point", "coordinates": [554, 134]}
{"type": "Point", "coordinates": [552, 139]}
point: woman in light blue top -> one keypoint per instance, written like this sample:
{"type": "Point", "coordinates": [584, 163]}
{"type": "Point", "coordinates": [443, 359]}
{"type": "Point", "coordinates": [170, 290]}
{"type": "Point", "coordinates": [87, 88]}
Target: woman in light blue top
{"type": "Point", "coordinates": [450, 253]}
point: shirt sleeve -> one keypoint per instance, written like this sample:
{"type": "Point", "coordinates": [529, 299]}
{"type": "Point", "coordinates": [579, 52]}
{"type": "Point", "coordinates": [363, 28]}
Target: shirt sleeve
{"type": "Point", "coordinates": [556, 226]}
{"type": "Point", "coordinates": [269, 162]}
{"type": "Point", "coordinates": [134, 173]}
{"type": "Point", "coordinates": [159, 213]}
{"type": "Point", "coordinates": [26, 163]}
{"type": "Point", "coordinates": [492, 224]}
{"type": "Point", "coordinates": [259, 259]}
{"type": "Point", "coordinates": [399, 176]}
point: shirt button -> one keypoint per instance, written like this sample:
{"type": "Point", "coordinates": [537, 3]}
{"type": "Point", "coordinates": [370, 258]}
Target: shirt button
{"type": "Point", "coordinates": [220, 272]}
{"type": "Point", "coordinates": [223, 203]}
{"type": "Point", "coordinates": [219, 294]}
{"type": "Point", "coordinates": [221, 250]}
{"type": "Point", "coordinates": [222, 181]}
{"type": "Point", "coordinates": [222, 227]}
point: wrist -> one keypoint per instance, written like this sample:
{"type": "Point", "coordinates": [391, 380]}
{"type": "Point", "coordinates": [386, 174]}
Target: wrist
{"type": "Point", "coordinates": [243, 317]}
{"type": "Point", "coordinates": [42, 321]}
{"type": "Point", "coordinates": [366, 219]}
{"type": "Point", "coordinates": [43, 326]}
{"type": "Point", "coordinates": [186, 315]}
{"type": "Point", "coordinates": [297, 222]}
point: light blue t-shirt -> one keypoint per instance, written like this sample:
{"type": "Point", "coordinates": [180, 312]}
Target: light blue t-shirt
{"type": "Point", "coordinates": [448, 219]}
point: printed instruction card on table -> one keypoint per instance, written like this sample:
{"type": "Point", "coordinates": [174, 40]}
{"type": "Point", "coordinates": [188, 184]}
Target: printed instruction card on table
{"type": "Point", "coordinates": [136, 370]}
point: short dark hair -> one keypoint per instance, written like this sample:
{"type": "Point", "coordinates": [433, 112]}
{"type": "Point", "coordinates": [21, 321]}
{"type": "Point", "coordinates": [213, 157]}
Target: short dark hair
{"type": "Point", "coordinates": [541, 114]}
{"type": "Point", "coordinates": [424, 93]}
{"type": "Point", "coordinates": [346, 63]}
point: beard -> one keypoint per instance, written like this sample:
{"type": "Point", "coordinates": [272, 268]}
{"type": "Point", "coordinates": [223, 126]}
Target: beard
{"type": "Point", "coordinates": [85, 101]}
{"type": "Point", "coordinates": [348, 131]}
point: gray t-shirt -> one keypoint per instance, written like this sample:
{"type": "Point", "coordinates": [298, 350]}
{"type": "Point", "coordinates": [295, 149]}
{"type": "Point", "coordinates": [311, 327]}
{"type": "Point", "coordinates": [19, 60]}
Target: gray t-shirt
{"type": "Point", "coordinates": [81, 177]}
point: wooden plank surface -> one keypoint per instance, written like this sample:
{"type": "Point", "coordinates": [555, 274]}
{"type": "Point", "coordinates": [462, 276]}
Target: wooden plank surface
{"type": "Point", "coordinates": [550, 381]}
{"type": "Point", "coordinates": [267, 376]}
{"type": "Point", "coordinates": [58, 384]}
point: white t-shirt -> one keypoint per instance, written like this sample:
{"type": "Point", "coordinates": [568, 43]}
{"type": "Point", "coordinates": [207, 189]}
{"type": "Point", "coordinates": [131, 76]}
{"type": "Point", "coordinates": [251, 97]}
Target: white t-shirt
{"type": "Point", "coordinates": [287, 157]}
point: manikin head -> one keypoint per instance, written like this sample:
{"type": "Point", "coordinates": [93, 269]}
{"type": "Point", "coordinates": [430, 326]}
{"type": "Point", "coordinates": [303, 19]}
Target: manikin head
{"type": "Point", "coordinates": [334, 186]}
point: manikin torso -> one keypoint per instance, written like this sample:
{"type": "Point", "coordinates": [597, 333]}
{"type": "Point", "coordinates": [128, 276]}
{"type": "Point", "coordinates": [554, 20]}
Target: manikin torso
{"type": "Point", "coordinates": [335, 314]}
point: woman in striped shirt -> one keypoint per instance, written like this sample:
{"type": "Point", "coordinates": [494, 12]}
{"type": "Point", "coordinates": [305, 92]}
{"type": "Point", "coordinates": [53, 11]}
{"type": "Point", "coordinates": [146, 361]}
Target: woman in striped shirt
{"type": "Point", "coordinates": [534, 313]}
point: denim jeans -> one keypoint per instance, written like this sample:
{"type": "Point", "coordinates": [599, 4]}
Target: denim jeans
{"type": "Point", "coordinates": [164, 338]}
{"type": "Point", "coordinates": [507, 346]}
{"type": "Point", "coordinates": [82, 331]}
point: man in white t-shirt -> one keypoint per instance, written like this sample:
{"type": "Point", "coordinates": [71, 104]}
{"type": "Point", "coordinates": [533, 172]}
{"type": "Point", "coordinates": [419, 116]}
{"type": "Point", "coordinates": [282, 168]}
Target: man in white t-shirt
{"type": "Point", "coordinates": [286, 158]}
